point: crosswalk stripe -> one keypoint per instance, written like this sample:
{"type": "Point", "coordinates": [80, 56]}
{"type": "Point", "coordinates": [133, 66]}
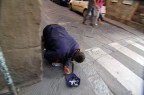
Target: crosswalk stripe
{"type": "Point", "coordinates": [136, 57]}
{"type": "Point", "coordinates": [95, 52]}
{"type": "Point", "coordinates": [141, 41]}
{"type": "Point", "coordinates": [126, 77]}
{"type": "Point", "coordinates": [135, 44]}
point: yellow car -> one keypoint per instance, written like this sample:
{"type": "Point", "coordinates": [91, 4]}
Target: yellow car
{"type": "Point", "coordinates": [81, 6]}
{"type": "Point", "coordinates": [78, 5]}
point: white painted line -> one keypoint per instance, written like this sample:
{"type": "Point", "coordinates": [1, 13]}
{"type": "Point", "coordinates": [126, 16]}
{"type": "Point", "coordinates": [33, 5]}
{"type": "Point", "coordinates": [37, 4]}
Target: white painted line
{"type": "Point", "coordinates": [95, 52]}
{"type": "Point", "coordinates": [99, 87]}
{"type": "Point", "coordinates": [126, 77]}
{"type": "Point", "coordinates": [141, 41]}
{"type": "Point", "coordinates": [136, 57]}
{"type": "Point", "coordinates": [63, 23]}
{"type": "Point", "coordinates": [90, 49]}
{"type": "Point", "coordinates": [135, 44]}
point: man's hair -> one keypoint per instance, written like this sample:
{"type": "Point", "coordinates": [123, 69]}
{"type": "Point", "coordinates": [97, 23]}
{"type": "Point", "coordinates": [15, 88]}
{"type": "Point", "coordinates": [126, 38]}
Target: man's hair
{"type": "Point", "coordinates": [79, 57]}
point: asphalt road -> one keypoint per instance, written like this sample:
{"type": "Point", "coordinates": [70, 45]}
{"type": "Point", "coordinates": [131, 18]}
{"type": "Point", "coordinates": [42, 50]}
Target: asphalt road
{"type": "Point", "coordinates": [114, 57]}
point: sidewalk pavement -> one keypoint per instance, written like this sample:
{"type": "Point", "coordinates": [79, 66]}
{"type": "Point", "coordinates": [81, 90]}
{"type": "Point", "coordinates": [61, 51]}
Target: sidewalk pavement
{"type": "Point", "coordinates": [53, 82]}
{"type": "Point", "coordinates": [121, 25]}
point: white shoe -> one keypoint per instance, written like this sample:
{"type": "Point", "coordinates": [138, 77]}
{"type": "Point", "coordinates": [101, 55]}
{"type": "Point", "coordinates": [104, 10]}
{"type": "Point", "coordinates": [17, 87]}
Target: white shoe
{"type": "Point", "coordinates": [56, 64]}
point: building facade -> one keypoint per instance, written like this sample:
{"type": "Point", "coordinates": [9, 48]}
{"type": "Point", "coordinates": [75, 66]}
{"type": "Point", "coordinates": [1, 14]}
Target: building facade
{"type": "Point", "coordinates": [130, 12]}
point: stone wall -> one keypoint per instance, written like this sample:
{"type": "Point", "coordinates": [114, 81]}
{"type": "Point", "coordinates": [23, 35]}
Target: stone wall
{"type": "Point", "coordinates": [124, 13]}
{"type": "Point", "coordinates": [139, 14]}
{"type": "Point", "coordinates": [20, 40]}
{"type": "Point", "coordinates": [120, 10]}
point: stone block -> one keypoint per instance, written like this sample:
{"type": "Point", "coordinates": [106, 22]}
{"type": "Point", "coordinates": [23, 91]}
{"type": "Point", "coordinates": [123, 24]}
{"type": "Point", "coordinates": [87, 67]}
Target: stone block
{"type": "Point", "coordinates": [20, 39]}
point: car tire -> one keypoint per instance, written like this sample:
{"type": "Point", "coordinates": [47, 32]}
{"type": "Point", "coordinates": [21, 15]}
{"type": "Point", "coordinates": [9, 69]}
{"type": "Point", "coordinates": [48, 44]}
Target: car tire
{"type": "Point", "coordinates": [70, 7]}
{"type": "Point", "coordinates": [84, 12]}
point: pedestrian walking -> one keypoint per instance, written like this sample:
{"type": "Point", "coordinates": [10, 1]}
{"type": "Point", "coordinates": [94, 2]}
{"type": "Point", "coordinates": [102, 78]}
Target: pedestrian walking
{"type": "Point", "coordinates": [61, 47]}
{"type": "Point", "coordinates": [100, 4]}
{"type": "Point", "coordinates": [93, 9]}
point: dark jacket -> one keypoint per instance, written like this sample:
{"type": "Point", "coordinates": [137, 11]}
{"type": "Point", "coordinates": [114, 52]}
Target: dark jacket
{"type": "Point", "coordinates": [58, 43]}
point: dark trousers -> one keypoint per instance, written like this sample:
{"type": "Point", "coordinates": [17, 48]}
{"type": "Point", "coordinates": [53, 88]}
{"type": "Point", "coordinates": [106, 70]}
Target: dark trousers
{"type": "Point", "coordinates": [100, 17]}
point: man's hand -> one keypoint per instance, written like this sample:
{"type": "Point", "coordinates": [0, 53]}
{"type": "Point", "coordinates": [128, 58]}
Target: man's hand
{"type": "Point", "coordinates": [66, 70]}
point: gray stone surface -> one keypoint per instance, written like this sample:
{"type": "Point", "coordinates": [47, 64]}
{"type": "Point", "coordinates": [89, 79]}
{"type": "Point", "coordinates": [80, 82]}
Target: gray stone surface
{"type": "Point", "coordinates": [126, 61]}
{"type": "Point", "coordinates": [20, 39]}
{"type": "Point", "coordinates": [111, 82]}
{"type": "Point", "coordinates": [53, 83]}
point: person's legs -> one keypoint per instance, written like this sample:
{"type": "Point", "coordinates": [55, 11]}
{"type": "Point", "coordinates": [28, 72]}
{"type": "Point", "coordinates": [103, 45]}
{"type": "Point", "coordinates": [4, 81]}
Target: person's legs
{"type": "Point", "coordinates": [86, 15]}
{"type": "Point", "coordinates": [97, 17]}
{"type": "Point", "coordinates": [93, 16]}
{"type": "Point", "coordinates": [100, 19]}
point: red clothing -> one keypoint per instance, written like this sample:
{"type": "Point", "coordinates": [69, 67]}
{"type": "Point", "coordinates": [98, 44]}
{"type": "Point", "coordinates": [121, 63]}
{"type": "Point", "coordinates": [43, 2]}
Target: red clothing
{"type": "Point", "coordinates": [100, 3]}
